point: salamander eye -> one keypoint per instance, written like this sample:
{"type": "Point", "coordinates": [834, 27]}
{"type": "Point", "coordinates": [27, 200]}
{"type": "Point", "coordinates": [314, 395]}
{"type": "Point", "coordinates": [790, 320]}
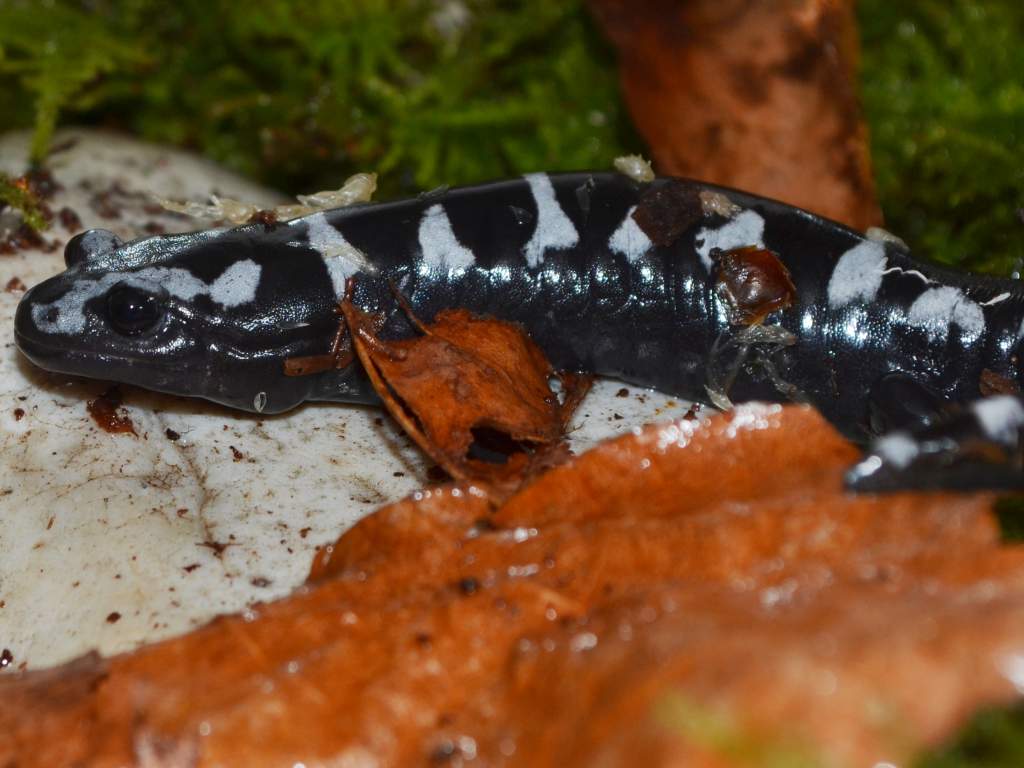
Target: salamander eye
{"type": "Point", "coordinates": [131, 310]}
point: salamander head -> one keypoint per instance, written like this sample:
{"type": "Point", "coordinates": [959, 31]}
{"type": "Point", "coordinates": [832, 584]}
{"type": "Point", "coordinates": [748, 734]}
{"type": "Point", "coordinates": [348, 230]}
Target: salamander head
{"type": "Point", "coordinates": [205, 314]}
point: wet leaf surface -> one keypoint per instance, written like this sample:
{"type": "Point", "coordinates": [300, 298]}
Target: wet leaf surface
{"type": "Point", "coordinates": [701, 593]}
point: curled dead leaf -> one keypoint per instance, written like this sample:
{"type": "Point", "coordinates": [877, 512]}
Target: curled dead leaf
{"type": "Point", "coordinates": [475, 393]}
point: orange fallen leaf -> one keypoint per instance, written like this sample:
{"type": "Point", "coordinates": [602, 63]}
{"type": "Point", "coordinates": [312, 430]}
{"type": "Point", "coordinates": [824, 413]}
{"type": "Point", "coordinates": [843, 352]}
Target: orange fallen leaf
{"type": "Point", "coordinates": [693, 579]}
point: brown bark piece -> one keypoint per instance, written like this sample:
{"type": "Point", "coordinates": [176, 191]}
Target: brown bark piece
{"type": "Point", "coordinates": [700, 593]}
{"type": "Point", "coordinates": [473, 392]}
{"type": "Point", "coordinates": [754, 94]}
{"type": "Point", "coordinates": [665, 212]}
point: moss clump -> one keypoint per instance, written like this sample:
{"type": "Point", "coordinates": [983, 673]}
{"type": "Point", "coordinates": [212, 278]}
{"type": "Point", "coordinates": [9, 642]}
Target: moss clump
{"type": "Point", "coordinates": [1009, 513]}
{"type": "Point", "coordinates": [944, 94]}
{"type": "Point", "coordinates": [19, 195]}
{"type": "Point", "coordinates": [430, 92]}
{"type": "Point", "coordinates": [53, 52]}
{"type": "Point", "coordinates": [714, 731]}
{"type": "Point", "coordinates": [993, 739]}
{"type": "Point", "coordinates": [301, 95]}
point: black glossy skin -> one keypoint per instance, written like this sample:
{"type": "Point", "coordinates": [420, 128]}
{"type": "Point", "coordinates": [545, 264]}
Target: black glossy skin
{"type": "Point", "coordinates": [652, 322]}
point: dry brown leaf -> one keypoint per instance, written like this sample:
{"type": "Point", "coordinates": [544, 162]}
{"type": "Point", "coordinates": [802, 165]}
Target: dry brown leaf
{"type": "Point", "coordinates": [473, 392]}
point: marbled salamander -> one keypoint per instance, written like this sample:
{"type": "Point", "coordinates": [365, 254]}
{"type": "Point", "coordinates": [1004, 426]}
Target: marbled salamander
{"type": "Point", "coordinates": [214, 314]}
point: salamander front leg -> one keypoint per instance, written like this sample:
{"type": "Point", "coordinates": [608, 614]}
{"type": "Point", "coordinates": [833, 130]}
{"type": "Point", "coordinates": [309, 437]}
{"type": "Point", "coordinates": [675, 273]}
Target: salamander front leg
{"type": "Point", "coordinates": [979, 446]}
{"type": "Point", "coordinates": [899, 401]}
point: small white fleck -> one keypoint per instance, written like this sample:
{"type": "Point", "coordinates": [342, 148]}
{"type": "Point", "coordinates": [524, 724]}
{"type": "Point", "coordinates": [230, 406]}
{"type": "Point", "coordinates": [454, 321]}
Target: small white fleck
{"type": "Point", "coordinates": [521, 534]}
{"type": "Point", "coordinates": [260, 402]}
{"type": "Point", "coordinates": [584, 641]}
{"type": "Point", "coordinates": [522, 571]}
{"type": "Point", "coordinates": [554, 230]}
{"type": "Point", "coordinates": [880, 235]}
{"type": "Point", "coordinates": [1000, 417]}
{"type": "Point", "coordinates": [678, 434]}
{"type": "Point", "coordinates": [912, 272]}
{"type": "Point", "coordinates": [857, 275]}
{"type": "Point", "coordinates": [750, 417]}
{"type": "Point", "coordinates": [629, 240]}
{"type": "Point", "coordinates": [996, 300]}
{"type": "Point", "coordinates": [868, 467]}
{"type": "Point", "coordinates": [441, 249]}
{"type": "Point", "coordinates": [467, 747]}
{"type": "Point", "coordinates": [635, 167]}
{"type": "Point", "coordinates": [778, 595]}
{"type": "Point", "coordinates": [937, 308]}
{"type": "Point", "coordinates": [897, 448]}
{"type": "Point", "coordinates": [716, 203]}
{"type": "Point", "coordinates": [747, 229]}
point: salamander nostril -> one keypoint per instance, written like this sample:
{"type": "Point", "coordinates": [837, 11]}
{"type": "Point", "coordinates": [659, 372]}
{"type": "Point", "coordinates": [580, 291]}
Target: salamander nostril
{"type": "Point", "coordinates": [89, 244]}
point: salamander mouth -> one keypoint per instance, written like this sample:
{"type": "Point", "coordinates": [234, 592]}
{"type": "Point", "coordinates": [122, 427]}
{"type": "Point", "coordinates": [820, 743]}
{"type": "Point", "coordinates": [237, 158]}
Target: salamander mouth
{"type": "Point", "coordinates": [63, 359]}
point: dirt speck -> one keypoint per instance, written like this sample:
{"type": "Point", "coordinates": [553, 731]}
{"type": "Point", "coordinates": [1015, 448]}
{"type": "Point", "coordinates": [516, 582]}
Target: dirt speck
{"type": "Point", "coordinates": [69, 219]}
{"type": "Point", "coordinates": [217, 547]}
{"type": "Point", "coordinates": [106, 411]}
{"type": "Point", "coordinates": [15, 285]}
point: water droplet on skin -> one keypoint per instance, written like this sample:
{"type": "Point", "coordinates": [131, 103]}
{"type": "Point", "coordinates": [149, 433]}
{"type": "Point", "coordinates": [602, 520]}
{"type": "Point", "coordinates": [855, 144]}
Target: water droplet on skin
{"type": "Point", "coordinates": [521, 216]}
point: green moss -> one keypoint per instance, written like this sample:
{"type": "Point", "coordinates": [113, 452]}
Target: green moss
{"type": "Point", "coordinates": [993, 739]}
{"type": "Point", "coordinates": [17, 194]}
{"type": "Point", "coordinates": [944, 94]}
{"type": "Point", "coordinates": [1010, 514]}
{"type": "Point", "coordinates": [715, 731]}
{"type": "Point", "coordinates": [54, 53]}
{"type": "Point", "coordinates": [300, 95]}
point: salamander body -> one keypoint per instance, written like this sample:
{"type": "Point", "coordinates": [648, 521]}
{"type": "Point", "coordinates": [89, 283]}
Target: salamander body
{"type": "Point", "coordinates": [214, 314]}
